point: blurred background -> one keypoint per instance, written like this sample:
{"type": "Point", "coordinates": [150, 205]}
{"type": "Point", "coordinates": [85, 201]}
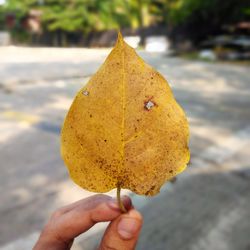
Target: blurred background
{"type": "Point", "coordinates": [48, 51]}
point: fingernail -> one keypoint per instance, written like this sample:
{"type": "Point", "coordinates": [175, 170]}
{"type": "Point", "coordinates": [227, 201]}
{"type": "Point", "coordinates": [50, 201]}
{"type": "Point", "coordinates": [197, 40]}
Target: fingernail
{"type": "Point", "coordinates": [127, 227]}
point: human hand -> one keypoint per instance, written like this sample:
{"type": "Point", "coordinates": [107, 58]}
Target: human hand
{"type": "Point", "coordinates": [70, 221]}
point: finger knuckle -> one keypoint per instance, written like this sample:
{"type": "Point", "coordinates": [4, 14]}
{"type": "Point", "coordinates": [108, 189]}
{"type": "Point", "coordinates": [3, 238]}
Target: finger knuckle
{"type": "Point", "coordinates": [97, 200]}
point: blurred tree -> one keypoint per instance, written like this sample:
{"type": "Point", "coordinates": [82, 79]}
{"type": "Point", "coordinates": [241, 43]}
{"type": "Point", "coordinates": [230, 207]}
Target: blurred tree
{"type": "Point", "coordinates": [83, 16]}
{"type": "Point", "coordinates": [86, 15]}
{"type": "Point", "coordinates": [94, 15]}
{"type": "Point", "coordinates": [215, 11]}
{"type": "Point", "coordinates": [20, 8]}
{"type": "Point", "coordinates": [14, 12]}
{"type": "Point", "coordinates": [91, 15]}
{"type": "Point", "coordinates": [67, 15]}
{"type": "Point", "coordinates": [200, 17]}
{"type": "Point", "coordinates": [2, 18]}
{"type": "Point", "coordinates": [246, 11]}
{"type": "Point", "coordinates": [138, 12]}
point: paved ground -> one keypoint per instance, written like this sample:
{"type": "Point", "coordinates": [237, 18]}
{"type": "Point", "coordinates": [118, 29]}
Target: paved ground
{"type": "Point", "coordinates": [209, 205]}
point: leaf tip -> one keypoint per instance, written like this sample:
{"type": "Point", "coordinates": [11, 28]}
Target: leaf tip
{"type": "Point", "coordinates": [120, 37]}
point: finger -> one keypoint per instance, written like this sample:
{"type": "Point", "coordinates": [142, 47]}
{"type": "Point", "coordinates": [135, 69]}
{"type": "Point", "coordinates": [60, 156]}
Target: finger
{"type": "Point", "coordinates": [85, 214]}
{"type": "Point", "coordinates": [123, 232]}
{"type": "Point", "coordinates": [90, 200]}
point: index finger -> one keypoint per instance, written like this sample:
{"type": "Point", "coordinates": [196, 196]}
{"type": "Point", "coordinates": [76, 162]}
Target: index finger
{"type": "Point", "coordinates": [79, 217]}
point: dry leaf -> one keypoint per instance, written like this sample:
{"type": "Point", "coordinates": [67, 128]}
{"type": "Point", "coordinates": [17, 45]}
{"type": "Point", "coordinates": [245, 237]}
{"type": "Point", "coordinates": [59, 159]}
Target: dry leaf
{"type": "Point", "coordinates": [125, 128]}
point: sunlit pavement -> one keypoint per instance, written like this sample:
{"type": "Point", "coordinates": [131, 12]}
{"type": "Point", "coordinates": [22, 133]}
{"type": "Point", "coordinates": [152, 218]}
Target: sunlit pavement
{"type": "Point", "coordinates": [209, 205]}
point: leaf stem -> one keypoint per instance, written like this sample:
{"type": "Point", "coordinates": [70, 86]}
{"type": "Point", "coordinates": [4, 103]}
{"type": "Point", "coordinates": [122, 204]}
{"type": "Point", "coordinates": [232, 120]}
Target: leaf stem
{"type": "Point", "coordinates": [118, 194]}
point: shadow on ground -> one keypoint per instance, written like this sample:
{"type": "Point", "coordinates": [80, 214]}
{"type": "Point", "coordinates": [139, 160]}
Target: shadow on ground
{"type": "Point", "coordinates": [199, 212]}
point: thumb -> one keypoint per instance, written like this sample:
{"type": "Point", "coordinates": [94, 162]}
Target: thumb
{"type": "Point", "coordinates": [123, 232]}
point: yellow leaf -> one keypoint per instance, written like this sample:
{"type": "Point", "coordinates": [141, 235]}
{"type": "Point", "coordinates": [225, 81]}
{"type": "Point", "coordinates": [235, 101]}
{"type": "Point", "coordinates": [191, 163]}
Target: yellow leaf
{"type": "Point", "coordinates": [124, 128]}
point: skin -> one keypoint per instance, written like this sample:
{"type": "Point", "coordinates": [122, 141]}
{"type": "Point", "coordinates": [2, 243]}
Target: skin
{"type": "Point", "coordinates": [70, 221]}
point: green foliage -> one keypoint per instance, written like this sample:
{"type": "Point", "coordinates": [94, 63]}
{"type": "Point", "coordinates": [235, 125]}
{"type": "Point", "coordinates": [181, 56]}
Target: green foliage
{"type": "Point", "coordinates": [81, 15]}
{"type": "Point", "coordinates": [216, 11]}
{"type": "Point", "coordinates": [20, 8]}
{"type": "Point", "coordinates": [91, 15]}
{"type": "Point", "coordinates": [2, 18]}
{"type": "Point", "coordinates": [85, 16]}
{"type": "Point", "coordinates": [246, 11]}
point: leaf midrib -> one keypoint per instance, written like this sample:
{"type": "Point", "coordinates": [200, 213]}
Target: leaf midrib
{"type": "Point", "coordinates": [123, 108]}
